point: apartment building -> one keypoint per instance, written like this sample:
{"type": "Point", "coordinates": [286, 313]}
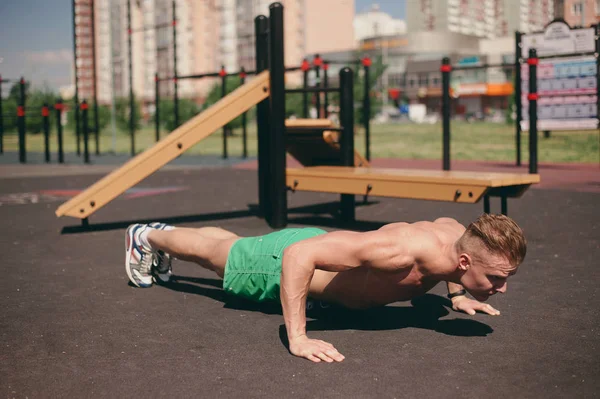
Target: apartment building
{"type": "Point", "coordinates": [481, 18]}
{"type": "Point", "coordinates": [578, 12]}
{"type": "Point", "coordinates": [209, 33]}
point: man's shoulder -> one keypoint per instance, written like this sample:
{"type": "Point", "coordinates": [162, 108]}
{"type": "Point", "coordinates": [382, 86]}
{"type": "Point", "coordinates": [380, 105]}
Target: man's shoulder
{"type": "Point", "coordinates": [446, 220]}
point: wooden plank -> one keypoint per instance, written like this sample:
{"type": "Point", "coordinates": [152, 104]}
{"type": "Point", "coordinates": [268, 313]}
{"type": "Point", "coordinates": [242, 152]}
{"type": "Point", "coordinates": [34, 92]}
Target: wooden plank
{"type": "Point", "coordinates": [488, 179]}
{"type": "Point", "coordinates": [453, 186]}
{"type": "Point", "coordinates": [169, 148]}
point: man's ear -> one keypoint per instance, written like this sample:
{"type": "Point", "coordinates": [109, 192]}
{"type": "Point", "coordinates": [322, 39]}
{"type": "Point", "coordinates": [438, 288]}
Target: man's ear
{"type": "Point", "coordinates": [464, 262]}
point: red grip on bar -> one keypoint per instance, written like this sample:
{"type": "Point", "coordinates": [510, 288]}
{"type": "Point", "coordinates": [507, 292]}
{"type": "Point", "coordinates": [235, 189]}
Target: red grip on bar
{"type": "Point", "coordinates": [446, 68]}
{"type": "Point", "coordinates": [222, 73]}
{"type": "Point", "coordinates": [318, 61]}
{"type": "Point", "coordinates": [22, 81]}
{"type": "Point", "coordinates": [156, 79]}
{"type": "Point", "coordinates": [174, 22]}
{"type": "Point", "coordinates": [325, 66]}
{"type": "Point", "coordinates": [532, 61]}
{"type": "Point", "coordinates": [532, 96]}
{"type": "Point", "coordinates": [129, 31]}
{"type": "Point", "coordinates": [20, 111]}
{"type": "Point", "coordinates": [84, 106]}
{"type": "Point", "coordinates": [305, 66]}
{"type": "Point", "coordinates": [175, 80]}
{"type": "Point", "coordinates": [45, 111]}
{"type": "Point", "coordinates": [243, 75]}
{"type": "Point", "coordinates": [59, 107]}
{"type": "Point", "coordinates": [367, 62]}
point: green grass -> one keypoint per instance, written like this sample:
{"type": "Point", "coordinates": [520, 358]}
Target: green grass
{"type": "Point", "coordinates": [469, 141]}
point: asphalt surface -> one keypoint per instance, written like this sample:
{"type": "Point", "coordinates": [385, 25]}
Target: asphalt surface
{"type": "Point", "coordinates": [72, 326]}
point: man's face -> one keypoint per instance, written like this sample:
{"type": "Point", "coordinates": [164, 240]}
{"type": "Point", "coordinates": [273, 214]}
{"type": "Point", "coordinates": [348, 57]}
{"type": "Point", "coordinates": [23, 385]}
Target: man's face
{"type": "Point", "coordinates": [486, 276]}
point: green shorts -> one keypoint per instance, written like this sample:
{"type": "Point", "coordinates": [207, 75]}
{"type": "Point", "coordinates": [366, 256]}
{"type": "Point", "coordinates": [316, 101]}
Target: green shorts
{"type": "Point", "coordinates": [253, 268]}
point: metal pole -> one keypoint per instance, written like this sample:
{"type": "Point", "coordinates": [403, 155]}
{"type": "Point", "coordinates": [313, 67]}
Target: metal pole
{"type": "Point", "coordinates": [223, 75]}
{"type": "Point", "coordinates": [175, 83]}
{"type": "Point", "coordinates": [278, 208]}
{"type": "Point", "coordinates": [59, 132]}
{"type": "Point", "coordinates": [96, 120]}
{"type": "Point", "coordinates": [347, 201]}
{"type": "Point", "coordinates": [325, 85]}
{"type": "Point", "coordinates": [21, 122]}
{"type": "Point", "coordinates": [131, 100]}
{"type": "Point", "coordinates": [317, 63]}
{"type": "Point", "coordinates": [76, 97]}
{"type": "Point", "coordinates": [517, 94]}
{"type": "Point", "coordinates": [305, 69]}
{"type": "Point", "coordinates": [261, 28]}
{"type": "Point", "coordinates": [532, 97]}
{"type": "Point", "coordinates": [597, 36]}
{"type": "Point", "coordinates": [46, 126]}
{"type": "Point", "coordinates": [86, 152]}
{"type": "Point", "coordinates": [156, 106]}
{"type": "Point", "coordinates": [367, 108]}
{"type": "Point", "coordinates": [446, 68]}
{"type": "Point", "coordinates": [1, 121]}
{"type": "Point", "coordinates": [244, 130]}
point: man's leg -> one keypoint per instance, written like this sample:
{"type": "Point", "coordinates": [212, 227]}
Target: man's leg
{"type": "Point", "coordinates": [206, 246]}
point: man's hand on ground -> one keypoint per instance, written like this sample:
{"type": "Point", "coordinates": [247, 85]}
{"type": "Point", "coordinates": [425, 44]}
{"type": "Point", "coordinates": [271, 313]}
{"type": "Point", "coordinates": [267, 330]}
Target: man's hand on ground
{"type": "Point", "coordinates": [314, 349]}
{"type": "Point", "coordinates": [471, 306]}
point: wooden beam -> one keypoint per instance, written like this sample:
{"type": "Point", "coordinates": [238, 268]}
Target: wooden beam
{"type": "Point", "coordinates": [307, 123]}
{"type": "Point", "coordinates": [453, 186]}
{"type": "Point", "coordinates": [169, 148]}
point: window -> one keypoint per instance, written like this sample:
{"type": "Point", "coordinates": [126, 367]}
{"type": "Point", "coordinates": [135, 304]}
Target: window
{"type": "Point", "coordinates": [577, 8]}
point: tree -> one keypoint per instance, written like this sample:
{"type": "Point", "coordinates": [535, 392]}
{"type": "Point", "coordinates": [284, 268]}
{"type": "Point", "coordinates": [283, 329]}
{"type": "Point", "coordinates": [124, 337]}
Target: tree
{"type": "Point", "coordinates": [103, 118]}
{"type": "Point", "coordinates": [187, 110]}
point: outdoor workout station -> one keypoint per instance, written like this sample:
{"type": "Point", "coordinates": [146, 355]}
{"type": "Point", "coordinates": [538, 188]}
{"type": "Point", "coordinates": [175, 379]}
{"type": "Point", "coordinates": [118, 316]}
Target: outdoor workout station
{"type": "Point", "coordinates": [330, 163]}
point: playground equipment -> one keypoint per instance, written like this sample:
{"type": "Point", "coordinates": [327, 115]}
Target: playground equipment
{"type": "Point", "coordinates": [346, 178]}
{"type": "Point", "coordinates": [169, 148]}
{"type": "Point", "coordinates": [351, 176]}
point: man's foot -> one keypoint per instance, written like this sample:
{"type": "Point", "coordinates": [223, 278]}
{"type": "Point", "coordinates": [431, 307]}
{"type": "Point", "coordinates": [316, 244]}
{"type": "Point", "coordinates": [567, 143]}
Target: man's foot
{"type": "Point", "coordinates": [161, 266]}
{"type": "Point", "coordinates": [138, 259]}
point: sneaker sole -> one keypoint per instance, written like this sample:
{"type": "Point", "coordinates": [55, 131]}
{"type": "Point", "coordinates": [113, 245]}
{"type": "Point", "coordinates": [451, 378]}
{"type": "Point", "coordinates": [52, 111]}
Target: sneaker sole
{"type": "Point", "coordinates": [128, 246]}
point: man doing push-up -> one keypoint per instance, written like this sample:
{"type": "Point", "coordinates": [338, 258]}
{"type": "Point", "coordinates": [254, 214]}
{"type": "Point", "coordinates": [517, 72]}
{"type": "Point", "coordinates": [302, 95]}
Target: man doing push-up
{"type": "Point", "coordinates": [357, 270]}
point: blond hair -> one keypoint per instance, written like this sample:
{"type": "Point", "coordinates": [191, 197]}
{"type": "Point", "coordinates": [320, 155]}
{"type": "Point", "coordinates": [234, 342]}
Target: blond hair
{"type": "Point", "coordinates": [499, 234]}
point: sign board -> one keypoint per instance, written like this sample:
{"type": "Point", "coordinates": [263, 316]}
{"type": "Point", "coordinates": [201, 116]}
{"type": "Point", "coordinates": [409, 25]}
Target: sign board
{"type": "Point", "coordinates": [567, 86]}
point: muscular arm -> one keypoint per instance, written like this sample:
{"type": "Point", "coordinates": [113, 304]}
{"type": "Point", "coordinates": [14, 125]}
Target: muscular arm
{"type": "Point", "coordinates": [335, 252]}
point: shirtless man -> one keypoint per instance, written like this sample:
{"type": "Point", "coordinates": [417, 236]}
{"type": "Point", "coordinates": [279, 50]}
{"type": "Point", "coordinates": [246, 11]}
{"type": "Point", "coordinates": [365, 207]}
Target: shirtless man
{"type": "Point", "coordinates": [357, 270]}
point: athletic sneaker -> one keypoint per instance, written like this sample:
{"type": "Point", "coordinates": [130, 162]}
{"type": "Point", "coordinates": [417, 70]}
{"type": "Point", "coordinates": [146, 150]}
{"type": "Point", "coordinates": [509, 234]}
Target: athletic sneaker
{"type": "Point", "coordinates": [138, 259]}
{"type": "Point", "coordinates": [161, 266]}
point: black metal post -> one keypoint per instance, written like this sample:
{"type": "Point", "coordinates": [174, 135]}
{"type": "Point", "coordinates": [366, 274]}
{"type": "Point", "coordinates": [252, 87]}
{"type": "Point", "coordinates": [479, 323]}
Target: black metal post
{"type": "Point", "coordinates": [21, 123]}
{"type": "Point", "coordinates": [597, 35]}
{"type": "Point", "coordinates": [532, 97]}
{"type": "Point", "coordinates": [157, 107]}
{"type": "Point", "coordinates": [1, 121]}
{"type": "Point", "coordinates": [59, 132]}
{"type": "Point", "coordinates": [305, 69]}
{"type": "Point", "coordinates": [244, 130]}
{"type": "Point", "coordinates": [46, 126]}
{"type": "Point", "coordinates": [278, 210]}
{"type": "Point", "coordinates": [445, 69]}
{"type": "Point", "coordinates": [131, 100]}
{"type": "Point", "coordinates": [347, 201]}
{"type": "Point", "coordinates": [223, 75]}
{"type": "Point", "coordinates": [517, 94]}
{"type": "Point", "coordinates": [96, 120]}
{"type": "Point", "coordinates": [326, 85]}
{"type": "Point", "coordinates": [367, 108]}
{"type": "Point", "coordinates": [76, 76]}
{"type": "Point", "coordinates": [86, 152]}
{"type": "Point", "coordinates": [261, 27]}
{"type": "Point", "coordinates": [317, 62]}
{"type": "Point", "coordinates": [175, 82]}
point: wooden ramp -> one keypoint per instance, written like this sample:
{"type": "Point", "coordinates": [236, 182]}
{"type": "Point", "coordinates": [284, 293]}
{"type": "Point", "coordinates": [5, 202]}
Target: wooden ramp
{"type": "Point", "coordinates": [452, 186]}
{"type": "Point", "coordinates": [311, 144]}
{"type": "Point", "coordinates": [169, 148]}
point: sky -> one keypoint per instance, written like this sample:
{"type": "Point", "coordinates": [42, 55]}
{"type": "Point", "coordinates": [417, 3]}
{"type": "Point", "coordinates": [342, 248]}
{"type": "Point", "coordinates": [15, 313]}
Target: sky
{"type": "Point", "coordinates": [36, 38]}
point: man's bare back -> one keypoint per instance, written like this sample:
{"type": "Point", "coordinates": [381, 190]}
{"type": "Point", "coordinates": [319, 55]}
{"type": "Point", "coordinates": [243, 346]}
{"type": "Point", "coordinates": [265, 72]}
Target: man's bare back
{"type": "Point", "coordinates": [364, 287]}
